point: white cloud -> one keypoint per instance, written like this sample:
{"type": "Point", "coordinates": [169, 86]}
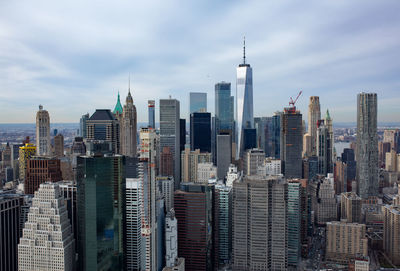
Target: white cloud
{"type": "Point", "coordinates": [74, 56]}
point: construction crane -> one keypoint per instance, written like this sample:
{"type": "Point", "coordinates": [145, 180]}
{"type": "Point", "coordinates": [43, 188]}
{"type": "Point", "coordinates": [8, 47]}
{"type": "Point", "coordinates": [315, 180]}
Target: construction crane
{"type": "Point", "coordinates": [291, 102]}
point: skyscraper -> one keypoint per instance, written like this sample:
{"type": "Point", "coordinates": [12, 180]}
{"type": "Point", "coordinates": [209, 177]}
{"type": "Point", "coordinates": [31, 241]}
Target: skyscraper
{"type": "Point", "coordinates": [47, 242]}
{"type": "Point", "coordinates": [314, 115]}
{"type": "Point", "coordinates": [198, 102]}
{"type": "Point", "coordinates": [325, 146]}
{"type": "Point", "coordinates": [224, 107]}
{"type": "Point", "coordinates": [104, 126]}
{"type": "Point", "coordinates": [291, 143]}
{"type": "Point", "coordinates": [263, 127]}
{"type": "Point", "coordinates": [294, 222]}
{"type": "Point", "coordinates": [59, 145]}
{"type": "Point", "coordinates": [224, 154]}
{"type": "Point", "coordinates": [42, 132]}
{"type": "Point", "coordinates": [193, 210]}
{"type": "Point", "coordinates": [189, 163]}
{"type": "Point", "coordinates": [128, 128]}
{"type": "Point", "coordinates": [391, 232]}
{"type": "Point", "coordinates": [182, 134]}
{"type": "Point", "coordinates": [223, 209]}
{"type": "Point", "coordinates": [367, 145]}
{"type": "Point", "coordinates": [171, 239]}
{"type": "Point", "coordinates": [166, 188]}
{"type": "Point", "coordinates": [82, 125]}
{"type": "Point", "coordinates": [170, 133]}
{"type": "Point", "coordinates": [200, 131]}
{"type": "Point", "coordinates": [345, 241]}
{"type": "Point", "coordinates": [10, 219]}
{"type": "Point", "coordinates": [100, 184]}
{"type": "Point", "coordinates": [152, 114]}
{"type": "Point", "coordinates": [244, 102]}
{"type": "Point", "coordinates": [260, 233]}
{"type": "Point", "coordinates": [25, 153]}
{"type": "Point", "coordinates": [224, 121]}
{"type": "Point", "coordinates": [253, 158]}
{"type": "Point", "coordinates": [133, 223]}
{"type": "Point", "coordinates": [40, 170]}
{"type": "Point", "coordinates": [276, 135]}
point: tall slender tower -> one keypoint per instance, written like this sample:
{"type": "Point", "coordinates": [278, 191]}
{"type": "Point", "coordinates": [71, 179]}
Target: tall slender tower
{"type": "Point", "coordinates": [42, 132]}
{"type": "Point", "coordinates": [170, 133]}
{"type": "Point", "coordinates": [152, 116]}
{"type": "Point", "coordinates": [367, 145]}
{"type": "Point", "coordinates": [314, 114]}
{"type": "Point", "coordinates": [244, 101]}
{"type": "Point", "coordinates": [129, 127]}
{"type": "Point", "coordinates": [291, 142]}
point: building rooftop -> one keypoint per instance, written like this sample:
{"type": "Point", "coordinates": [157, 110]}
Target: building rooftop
{"type": "Point", "coordinates": [102, 114]}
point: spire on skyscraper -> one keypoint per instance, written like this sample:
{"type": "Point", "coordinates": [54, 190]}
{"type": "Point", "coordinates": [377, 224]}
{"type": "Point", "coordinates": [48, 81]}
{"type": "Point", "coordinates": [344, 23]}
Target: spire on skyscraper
{"type": "Point", "coordinates": [129, 84]}
{"type": "Point", "coordinates": [244, 49]}
{"type": "Point", "coordinates": [327, 116]}
{"type": "Point", "coordinates": [118, 106]}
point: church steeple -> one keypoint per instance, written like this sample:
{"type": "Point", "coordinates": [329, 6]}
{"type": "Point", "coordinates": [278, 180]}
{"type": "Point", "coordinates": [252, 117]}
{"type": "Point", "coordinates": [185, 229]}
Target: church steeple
{"type": "Point", "coordinates": [118, 106]}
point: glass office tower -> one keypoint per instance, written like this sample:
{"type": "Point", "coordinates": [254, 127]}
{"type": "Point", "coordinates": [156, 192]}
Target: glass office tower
{"type": "Point", "coordinates": [198, 102]}
{"type": "Point", "coordinates": [200, 131]}
{"type": "Point", "coordinates": [244, 102]}
{"type": "Point", "coordinates": [100, 186]}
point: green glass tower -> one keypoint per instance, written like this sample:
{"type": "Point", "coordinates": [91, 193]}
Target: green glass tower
{"type": "Point", "coordinates": [100, 186]}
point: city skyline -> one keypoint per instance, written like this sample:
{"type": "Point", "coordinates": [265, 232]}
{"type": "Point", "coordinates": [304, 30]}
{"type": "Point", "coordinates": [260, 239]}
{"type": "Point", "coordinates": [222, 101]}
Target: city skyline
{"type": "Point", "coordinates": [55, 50]}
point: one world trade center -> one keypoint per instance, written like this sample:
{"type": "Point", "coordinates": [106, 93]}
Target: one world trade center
{"type": "Point", "coordinates": [244, 102]}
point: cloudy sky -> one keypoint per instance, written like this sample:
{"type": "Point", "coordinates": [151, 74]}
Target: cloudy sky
{"type": "Point", "coordinates": [74, 56]}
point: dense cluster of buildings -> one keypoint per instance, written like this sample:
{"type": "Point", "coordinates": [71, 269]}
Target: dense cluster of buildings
{"type": "Point", "coordinates": [238, 193]}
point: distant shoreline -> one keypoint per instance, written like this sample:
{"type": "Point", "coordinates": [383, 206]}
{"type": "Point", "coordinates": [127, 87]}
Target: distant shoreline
{"type": "Point", "coordinates": [144, 124]}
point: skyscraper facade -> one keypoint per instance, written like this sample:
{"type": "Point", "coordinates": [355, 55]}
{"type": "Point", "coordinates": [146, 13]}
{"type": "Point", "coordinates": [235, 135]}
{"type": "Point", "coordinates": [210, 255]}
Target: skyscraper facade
{"type": "Point", "coordinates": [198, 102]}
{"type": "Point", "coordinates": [325, 146]}
{"type": "Point", "coordinates": [291, 143]}
{"type": "Point", "coordinates": [260, 234]}
{"type": "Point", "coordinates": [252, 160]}
{"type": "Point", "coordinates": [224, 108]}
{"type": "Point", "coordinates": [25, 153]}
{"type": "Point", "coordinates": [193, 210]}
{"type": "Point", "coordinates": [182, 134]}
{"type": "Point", "coordinates": [200, 131]}
{"type": "Point", "coordinates": [263, 127]}
{"type": "Point", "coordinates": [224, 154]}
{"type": "Point", "coordinates": [224, 121]}
{"type": "Point", "coordinates": [82, 125]}
{"type": "Point", "coordinates": [59, 145]}
{"type": "Point", "coordinates": [40, 170]}
{"type": "Point", "coordinates": [223, 209]}
{"type": "Point", "coordinates": [367, 145]}
{"type": "Point", "coordinates": [294, 222]}
{"type": "Point", "coordinates": [276, 135]}
{"type": "Point", "coordinates": [104, 126]}
{"type": "Point", "coordinates": [345, 241]}
{"type": "Point", "coordinates": [10, 219]}
{"type": "Point", "coordinates": [171, 239]}
{"type": "Point", "coordinates": [47, 242]}
{"type": "Point", "coordinates": [100, 184]}
{"type": "Point", "coordinates": [190, 161]}
{"type": "Point", "coordinates": [152, 114]}
{"type": "Point", "coordinates": [43, 132]}
{"type": "Point", "coordinates": [170, 132]}
{"type": "Point", "coordinates": [391, 232]}
{"type": "Point", "coordinates": [314, 115]}
{"type": "Point", "coordinates": [128, 128]}
{"type": "Point", "coordinates": [244, 102]}
{"type": "Point", "coordinates": [133, 223]}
